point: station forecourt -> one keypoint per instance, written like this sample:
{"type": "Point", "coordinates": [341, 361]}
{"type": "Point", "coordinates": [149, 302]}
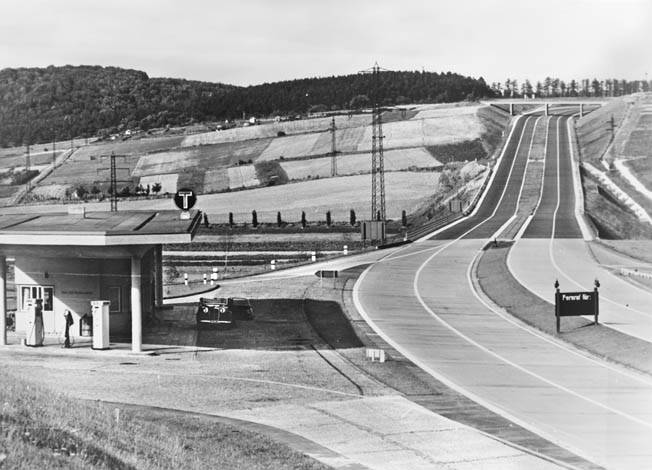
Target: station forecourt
{"type": "Point", "coordinates": [68, 260]}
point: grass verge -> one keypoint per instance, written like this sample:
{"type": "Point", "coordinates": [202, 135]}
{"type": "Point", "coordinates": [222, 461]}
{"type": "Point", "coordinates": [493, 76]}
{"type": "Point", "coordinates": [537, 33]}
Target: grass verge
{"type": "Point", "coordinates": [41, 429]}
{"type": "Point", "coordinates": [497, 282]}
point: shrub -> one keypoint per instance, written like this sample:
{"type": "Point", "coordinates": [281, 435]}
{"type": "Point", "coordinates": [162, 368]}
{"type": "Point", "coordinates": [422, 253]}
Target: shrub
{"type": "Point", "coordinates": [22, 177]}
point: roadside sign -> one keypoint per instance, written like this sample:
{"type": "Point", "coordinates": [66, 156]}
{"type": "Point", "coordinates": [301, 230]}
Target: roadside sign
{"type": "Point", "coordinates": [185, 199]}
{"type": "Point", "coordinates": [326, 273]}
{"type": "Point", "coordinates": [575, 304]}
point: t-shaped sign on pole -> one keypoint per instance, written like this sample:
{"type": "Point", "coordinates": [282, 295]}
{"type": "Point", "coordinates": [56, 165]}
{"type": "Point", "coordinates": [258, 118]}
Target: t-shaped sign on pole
{"type": "Point", "coordinates": [185, 199]}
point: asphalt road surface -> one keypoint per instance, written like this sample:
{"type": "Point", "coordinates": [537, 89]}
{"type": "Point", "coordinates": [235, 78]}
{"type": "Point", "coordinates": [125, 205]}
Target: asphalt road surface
{"type": "Point", "coordinates": [422, 301]}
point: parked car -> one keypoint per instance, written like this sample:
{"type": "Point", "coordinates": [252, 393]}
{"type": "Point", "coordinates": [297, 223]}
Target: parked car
{"type": "Point", "coordinates": [223, 311]}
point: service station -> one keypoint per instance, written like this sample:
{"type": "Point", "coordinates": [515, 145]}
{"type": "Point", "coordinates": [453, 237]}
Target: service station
{"type": "Point", "coordinates": [103, 267]}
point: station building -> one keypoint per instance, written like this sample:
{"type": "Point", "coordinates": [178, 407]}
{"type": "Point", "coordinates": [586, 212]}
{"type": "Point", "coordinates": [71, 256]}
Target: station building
{"type": "Point", "coordinates": [68, 260]}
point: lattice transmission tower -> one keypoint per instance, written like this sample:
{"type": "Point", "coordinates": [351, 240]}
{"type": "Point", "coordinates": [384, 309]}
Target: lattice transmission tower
{"type": "Point", "coordinates": [333, 148]}
{"type": "Point", "coordinates": [113, 191]}
{"type": "Point", "coordinates": [378, 212]}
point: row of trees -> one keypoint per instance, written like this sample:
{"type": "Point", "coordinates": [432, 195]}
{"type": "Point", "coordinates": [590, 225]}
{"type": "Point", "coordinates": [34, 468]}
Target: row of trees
{"type": "Point", "coordinates": [38, 105]}
{"type": "Point", "coordinates": [555, 87]}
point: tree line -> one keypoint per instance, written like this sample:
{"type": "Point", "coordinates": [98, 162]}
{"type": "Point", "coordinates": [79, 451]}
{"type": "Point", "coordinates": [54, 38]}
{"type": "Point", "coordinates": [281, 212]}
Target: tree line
{"type": "Point", "coordinates": [552, 87]}
{"type": "Point", "coordinates": [39, 105]}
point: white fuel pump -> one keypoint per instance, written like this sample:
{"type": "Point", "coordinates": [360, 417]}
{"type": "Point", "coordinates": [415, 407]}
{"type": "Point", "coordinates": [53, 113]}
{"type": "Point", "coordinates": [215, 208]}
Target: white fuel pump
{"type": "Point", "coordinates": [100, 312]}
{"type": "Point", "coordinates": [34, 333]}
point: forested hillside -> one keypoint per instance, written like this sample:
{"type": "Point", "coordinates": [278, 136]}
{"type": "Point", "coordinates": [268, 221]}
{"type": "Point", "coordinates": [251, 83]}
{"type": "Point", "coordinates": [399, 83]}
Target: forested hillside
{"type": "Point", "coordinates": [40, 104]}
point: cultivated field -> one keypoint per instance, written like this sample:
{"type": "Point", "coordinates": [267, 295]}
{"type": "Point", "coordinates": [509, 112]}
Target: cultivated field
{"type": "Point", "coordinates": [424, 132]}
{"type": "Point", "coordinates": [128, 147]}
{"type": "Point", "coordinates": [394, 160]}
{"type": "Point", "coordinates": [202, 157]}
{"type": "Point", "coordinates": [404, 191]}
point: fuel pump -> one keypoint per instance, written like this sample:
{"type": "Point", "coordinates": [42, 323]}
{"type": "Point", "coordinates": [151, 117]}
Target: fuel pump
{"type": "Point", "coordinates": [35, 331]}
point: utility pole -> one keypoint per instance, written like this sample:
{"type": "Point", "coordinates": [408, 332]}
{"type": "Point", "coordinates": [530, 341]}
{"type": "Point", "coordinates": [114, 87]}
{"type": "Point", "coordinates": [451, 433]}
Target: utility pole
{"type": "Point", "coordinates": [333, 148]}
{"type": "Point", "coordinates": [28, 183]}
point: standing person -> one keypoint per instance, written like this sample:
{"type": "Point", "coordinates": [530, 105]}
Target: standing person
{"type": "Point", "coordinates": [69, 323]}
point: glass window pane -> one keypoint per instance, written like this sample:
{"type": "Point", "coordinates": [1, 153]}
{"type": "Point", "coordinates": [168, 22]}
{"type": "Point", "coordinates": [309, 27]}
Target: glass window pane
{"type": "Point", "coordinates": [24, 296]}
{"type": "Point", "coordinates": [47, 298]}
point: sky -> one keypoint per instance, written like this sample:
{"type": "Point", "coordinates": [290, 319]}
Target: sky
{"type": "Point", "coordinates": [249, 42]}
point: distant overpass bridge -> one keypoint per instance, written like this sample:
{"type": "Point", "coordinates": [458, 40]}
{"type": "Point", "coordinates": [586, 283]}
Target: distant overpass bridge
{"type": "Point", "coordinates": [546, 103]}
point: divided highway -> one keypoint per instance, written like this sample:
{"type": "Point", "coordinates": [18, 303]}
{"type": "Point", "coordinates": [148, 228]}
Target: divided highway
{"type": "Point", "coordinates": [422, 301]}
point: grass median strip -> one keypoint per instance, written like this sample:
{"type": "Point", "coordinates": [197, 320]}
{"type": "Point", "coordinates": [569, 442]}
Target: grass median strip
{"type": "Point", "coordinates": [497, 282]}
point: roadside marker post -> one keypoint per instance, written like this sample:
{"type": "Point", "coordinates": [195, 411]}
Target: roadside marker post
{"type": "Point", "coordinates": [214, 276]}
{"type": "Point", "coordinates": [185, 278]}
{"type": "Point", "coordinates": [346, 249]}
{"type": "Point", "coordinates": [273, 265]}
{"type": "Point", "coordinates": [204, 278]}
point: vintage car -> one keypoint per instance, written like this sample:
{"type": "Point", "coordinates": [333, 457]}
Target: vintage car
{"type": "Point", "coordinates": [223, 311]}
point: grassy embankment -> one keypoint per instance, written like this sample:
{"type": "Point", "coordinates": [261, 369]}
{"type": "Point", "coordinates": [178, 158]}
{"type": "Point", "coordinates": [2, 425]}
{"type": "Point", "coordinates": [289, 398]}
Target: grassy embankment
{"type": "Point", "coordinates": [611, 218]}
{"type": "Point", "coordinates": [43, 429]}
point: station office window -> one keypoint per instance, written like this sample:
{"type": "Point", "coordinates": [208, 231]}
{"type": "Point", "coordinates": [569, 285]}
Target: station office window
{"type": "Point", "coordinates": [46, 293]}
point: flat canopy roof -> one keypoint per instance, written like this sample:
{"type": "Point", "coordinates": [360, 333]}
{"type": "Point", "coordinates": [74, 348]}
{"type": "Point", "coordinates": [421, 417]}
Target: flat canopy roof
{"type": "Point", "coordinates": [98, 228]}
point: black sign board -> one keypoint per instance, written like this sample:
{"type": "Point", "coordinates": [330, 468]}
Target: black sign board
{"type": "Point", "coordinates": [325, 273]}
{"type": "Point", "coordinates": [573, 304]}
{"type": "Point", "coordinates": [185, 199]}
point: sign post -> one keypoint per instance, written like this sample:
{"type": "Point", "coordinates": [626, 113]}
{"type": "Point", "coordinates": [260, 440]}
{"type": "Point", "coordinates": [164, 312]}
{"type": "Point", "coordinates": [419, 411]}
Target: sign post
{"type": "Point", "coordinates": [573, 304]}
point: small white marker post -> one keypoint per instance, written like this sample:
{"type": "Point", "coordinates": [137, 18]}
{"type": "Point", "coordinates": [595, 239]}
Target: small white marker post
{"type": "Point", "coordinates": [214, 276]}
{"type": "Point", "coordinates": [313, 257]}
{"type": "Point", "coordinates": [273, 265]}
{"type": "Point", "coordinates": [185, 278]}
{"type": "Point", "coordinates": [204, 278]}
{"type": "Point", "coordinates": [346, 249]}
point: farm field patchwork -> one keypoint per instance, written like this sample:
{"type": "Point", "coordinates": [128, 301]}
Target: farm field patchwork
{"type": "Point", "coordinates": [444, 110]}
{"type": "Point", "coordinates": [272, 129]}
{"type": "Point", "coordinates": [424, 132]}
{"type": "Point", "coordinates": [89, 171]}
{"type": "Point", "coordinates": [243, 176]}
{"type": "Point", "coordinates": [202, 157]}
{"type": "Point", "coordinates": [41, 159]}
{"type": "Point", "coordinates": [127, 147]}
{"type": "Point", "coordinates": [404, 191]}
{"type": "Point", "coordinates": [216, 181]}
{"type": "Point", "coordinates": [394, 160]}
{"type": "Point", "coordinates": [168, 182]}
{"type": "Point", "coordinates": [291, 146]}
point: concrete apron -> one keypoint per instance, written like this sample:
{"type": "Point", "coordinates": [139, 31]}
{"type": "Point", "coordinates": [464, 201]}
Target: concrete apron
{"type": "Point", "coordinates": [391, 432]}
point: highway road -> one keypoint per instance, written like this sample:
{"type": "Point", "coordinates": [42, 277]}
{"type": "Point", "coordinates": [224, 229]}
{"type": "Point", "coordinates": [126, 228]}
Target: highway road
{"type": "Point", "coordinates": [422, 301]}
